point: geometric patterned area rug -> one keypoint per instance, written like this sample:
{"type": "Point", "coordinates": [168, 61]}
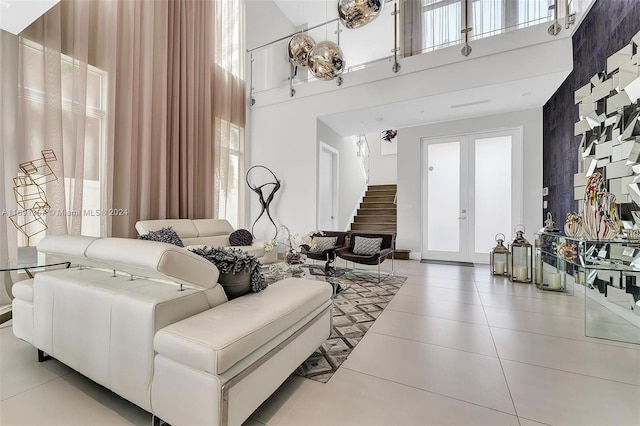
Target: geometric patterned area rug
{"type": "Point", "coordinates": [354, 312]}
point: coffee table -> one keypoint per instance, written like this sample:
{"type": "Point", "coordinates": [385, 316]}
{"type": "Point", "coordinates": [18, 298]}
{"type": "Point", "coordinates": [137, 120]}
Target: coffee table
{"type": "Point", "coordinates": [279, 271]}
{"type": "Point", "coordinates": [27, 267]}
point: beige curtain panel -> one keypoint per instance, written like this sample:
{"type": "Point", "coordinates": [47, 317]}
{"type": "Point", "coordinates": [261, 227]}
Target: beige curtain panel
{"type": "Point", "coordinates": [174, 96]}
{"type": "Point", "coordinates": [161, 83]}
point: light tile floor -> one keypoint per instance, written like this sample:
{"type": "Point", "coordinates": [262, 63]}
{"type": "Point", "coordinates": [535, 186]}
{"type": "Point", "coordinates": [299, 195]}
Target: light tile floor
{"type": "Point", "coordinates": [454, 347]}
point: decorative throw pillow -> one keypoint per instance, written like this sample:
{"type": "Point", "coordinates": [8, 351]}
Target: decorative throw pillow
{"type": "Point", "coordinates": [323, 243]}
{"type": "Point", "coordinates": [367, 246]}
{"type": "Point", "coordinates": [163, 235]}
{"type": "Point", "coordinates": [241, 237]}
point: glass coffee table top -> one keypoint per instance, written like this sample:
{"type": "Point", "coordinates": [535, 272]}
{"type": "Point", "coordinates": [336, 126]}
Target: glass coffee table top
{"type": "Point", "coordinates": [15, 266]}
{"type": "Point", "coordinates": [279, 271]}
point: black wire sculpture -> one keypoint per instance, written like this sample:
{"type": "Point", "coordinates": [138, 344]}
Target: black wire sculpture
{"type": "Point", "coordinates": [265, 203]}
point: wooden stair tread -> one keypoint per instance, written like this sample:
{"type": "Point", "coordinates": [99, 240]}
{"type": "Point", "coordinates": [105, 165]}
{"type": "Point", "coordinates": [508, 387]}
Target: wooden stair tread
{"type": "Point", "coordinates": [377, 211]}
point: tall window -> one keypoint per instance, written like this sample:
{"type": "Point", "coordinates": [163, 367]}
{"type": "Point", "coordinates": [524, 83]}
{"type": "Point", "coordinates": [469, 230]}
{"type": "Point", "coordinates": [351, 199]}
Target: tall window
{"type": "Point", "coordinates": [442, 20]}
{"type": "Point", "coordinates": [442, 23]}
{"type": "Point", "coordinates": [82, 162]}
{"type": "Point", "coordinates": [229, 111]}
{"type": "Point", "coordinates": [230, 174]}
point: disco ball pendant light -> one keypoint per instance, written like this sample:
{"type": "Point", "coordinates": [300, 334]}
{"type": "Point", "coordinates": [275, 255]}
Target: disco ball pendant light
{"type": "Point", "coordinates": [326, 60]}
{"type": "Point", "coordinates": [299, 47]}
{"type": "Point", "coordinates": [356, 13]}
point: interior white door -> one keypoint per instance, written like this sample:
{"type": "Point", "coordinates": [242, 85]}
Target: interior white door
{"type": "Point", "coordinates": [327, 188]}
{"type": "Point", "coordinates": [446, 200]}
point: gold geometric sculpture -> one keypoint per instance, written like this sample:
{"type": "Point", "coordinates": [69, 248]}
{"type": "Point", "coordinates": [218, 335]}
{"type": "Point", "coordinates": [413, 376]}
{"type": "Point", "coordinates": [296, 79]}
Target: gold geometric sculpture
{"type": "Point", "coordinates": [30, 195]}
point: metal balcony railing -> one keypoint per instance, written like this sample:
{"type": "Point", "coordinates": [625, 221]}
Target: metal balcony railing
{"type": "Point", "coordinates": [420, 26]}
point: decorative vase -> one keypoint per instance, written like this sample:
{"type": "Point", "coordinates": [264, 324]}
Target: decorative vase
{"type": "Point", "coordinates": [294, 258]}
{"type": "Point", "coordinates": [236, 284]}
{"type": "Point", "coordinates": [573, 225]}
{"type": "Point", "coordinates": [600, 214]}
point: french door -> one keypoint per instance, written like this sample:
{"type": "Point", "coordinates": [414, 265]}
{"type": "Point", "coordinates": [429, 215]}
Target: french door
{"type": "Point", "coordinates": [471, 191]}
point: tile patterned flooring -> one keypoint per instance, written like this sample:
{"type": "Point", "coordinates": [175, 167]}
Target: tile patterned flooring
{"type": "Point", "coordinates": [454, 347]}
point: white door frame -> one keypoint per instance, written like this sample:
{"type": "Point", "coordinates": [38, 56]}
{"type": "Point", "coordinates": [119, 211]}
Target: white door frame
{"type": "Point", "coordinates": [517, 186]}
{"type": "Point", "coordinates": [335, 155]}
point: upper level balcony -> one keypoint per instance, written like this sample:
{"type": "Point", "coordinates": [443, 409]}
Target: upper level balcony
{"type": "Point", "coordinates": [419, 35]}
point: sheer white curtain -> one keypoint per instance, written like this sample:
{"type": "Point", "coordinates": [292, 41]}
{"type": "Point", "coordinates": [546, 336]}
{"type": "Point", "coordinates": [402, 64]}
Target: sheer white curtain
{"type": "Point", "coordinates": [44, 107]}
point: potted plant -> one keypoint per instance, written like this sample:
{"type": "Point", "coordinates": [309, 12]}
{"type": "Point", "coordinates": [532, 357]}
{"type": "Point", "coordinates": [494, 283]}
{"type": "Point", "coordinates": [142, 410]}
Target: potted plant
{"type": "Point", "coordinates": [239, 270]}
{"type": "Point", "coordinates": [294, 254]}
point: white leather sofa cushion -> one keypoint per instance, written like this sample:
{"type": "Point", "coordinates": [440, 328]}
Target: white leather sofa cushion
{"type": "Point", "coordinates": [154, 260]}
{"type": "Point", "coordinates": [70, 248]}
{"type": "Point", "coordinates": [215, 241]}
{"type": "Point", "coordinates": [183, 227]}
{"type": "Point", "coordinates": [215, 340]}
{"type": "Point", "coordinates": [23, 290]}
{"type": "Point", "coordinates": [210, 227]}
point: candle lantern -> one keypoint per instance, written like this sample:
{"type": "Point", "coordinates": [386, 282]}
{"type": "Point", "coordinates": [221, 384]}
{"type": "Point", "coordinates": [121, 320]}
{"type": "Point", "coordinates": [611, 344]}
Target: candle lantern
{"type": "Point", "coordinates": [500, 258]}
{"type": "Point", "coordinates": [521, 258]}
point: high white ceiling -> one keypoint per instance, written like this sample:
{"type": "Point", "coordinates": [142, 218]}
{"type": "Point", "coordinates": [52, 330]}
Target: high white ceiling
{"type": "Point", "coordinates": [16, 15]}
{"type": "Point", "coordinates": [308, 12]}
{"type": "Point", "coordinates": [479, 101]}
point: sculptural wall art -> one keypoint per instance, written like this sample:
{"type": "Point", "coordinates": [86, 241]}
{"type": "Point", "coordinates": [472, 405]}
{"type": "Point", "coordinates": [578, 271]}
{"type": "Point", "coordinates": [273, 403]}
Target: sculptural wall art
{"type": "Point", "coordinates": [265, 189]}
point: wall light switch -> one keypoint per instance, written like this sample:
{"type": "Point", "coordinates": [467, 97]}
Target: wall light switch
{"type": "Point", "coordinates": [544, 204]}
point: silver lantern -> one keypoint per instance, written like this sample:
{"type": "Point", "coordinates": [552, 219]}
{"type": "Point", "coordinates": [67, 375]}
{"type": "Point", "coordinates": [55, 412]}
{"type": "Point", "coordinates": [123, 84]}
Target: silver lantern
{"type": "Point", "coordinates": [521, 258]}
{"type": "Point", "coordinates": [299, 47]}
{"type": "Point", "coordinates": [500, 258]}
{"type": "Point", "coordinates": [326, 60]}
{"type": "Point", "coordinates": [356, 13]}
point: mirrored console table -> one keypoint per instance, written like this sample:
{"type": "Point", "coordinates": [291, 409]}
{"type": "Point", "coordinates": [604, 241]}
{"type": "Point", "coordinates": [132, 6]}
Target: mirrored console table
{"type": "Point", "coordinates": [607, 272]}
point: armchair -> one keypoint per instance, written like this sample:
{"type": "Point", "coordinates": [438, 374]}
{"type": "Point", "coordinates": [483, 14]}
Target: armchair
{"type": "Point", "coordinates": [386, 248]}
{"type": "Point", "coordinates": [328, 255]}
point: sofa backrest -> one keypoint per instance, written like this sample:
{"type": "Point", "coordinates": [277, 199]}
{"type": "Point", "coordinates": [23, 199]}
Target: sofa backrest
{"type": "Point", "coordinates": [140, 258]}
{"type": "Point", "coordinates": [213, 232]}
{"type": "Point", "coordinates": [70, 248]}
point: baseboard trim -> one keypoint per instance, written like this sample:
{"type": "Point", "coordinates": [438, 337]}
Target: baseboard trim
{"type": "Point", "coordinates": [6, 316]}
{"type": "Point", "coordinates": [448, 262]}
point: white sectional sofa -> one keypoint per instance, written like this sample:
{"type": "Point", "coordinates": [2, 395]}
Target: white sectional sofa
{"type": "Point", "coordinates": [210, 232]}
{"type": "Point", "coordinates": [149, 321]}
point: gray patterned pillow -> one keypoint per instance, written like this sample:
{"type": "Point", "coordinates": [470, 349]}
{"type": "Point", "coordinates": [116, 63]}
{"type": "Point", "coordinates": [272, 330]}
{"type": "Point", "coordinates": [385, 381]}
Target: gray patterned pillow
{"type": "Point", "coordinates": [323, 243]}
{"type": "Point", "coordinates": [164, 235]}
{"type": "Point", "coordinates": [367, 246]}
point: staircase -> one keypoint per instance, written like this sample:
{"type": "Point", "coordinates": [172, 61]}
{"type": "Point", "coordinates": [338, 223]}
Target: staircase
{"type": "Point", "coordinates": [377, 213]}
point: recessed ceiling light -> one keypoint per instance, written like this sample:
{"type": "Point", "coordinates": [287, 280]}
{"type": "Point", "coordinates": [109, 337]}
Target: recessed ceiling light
{"type": "Point", "coordinates": [484, 101]}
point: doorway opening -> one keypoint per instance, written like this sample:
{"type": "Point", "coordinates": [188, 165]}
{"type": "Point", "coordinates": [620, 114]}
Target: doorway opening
{"type": "Point", "coordinates": [328, 158]}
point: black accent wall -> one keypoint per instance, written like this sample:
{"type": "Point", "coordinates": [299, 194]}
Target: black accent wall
{"type": "Point", "coordinates": [607, 28]}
